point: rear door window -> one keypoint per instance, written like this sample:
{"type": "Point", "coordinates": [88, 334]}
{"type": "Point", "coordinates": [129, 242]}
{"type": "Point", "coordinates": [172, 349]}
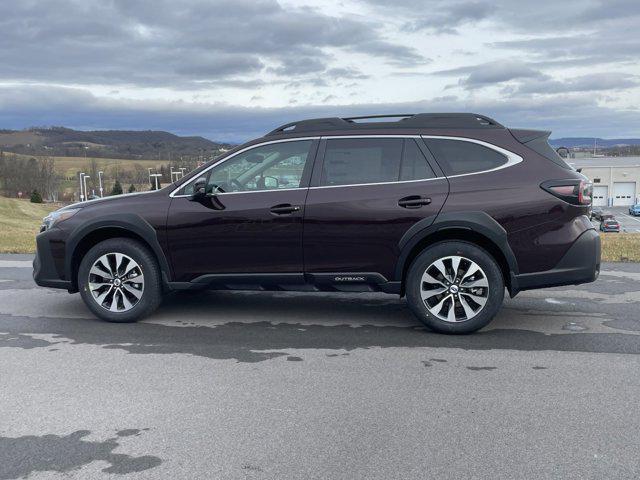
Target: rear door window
{"type": "Point", "coordinates": [457, 157]}
{"type": "Point", "coordinates": [414, 164]}
{"type": "Point", "coordinates": [350, 161]}
{"type": "Point", "coordinates": [354, 161]}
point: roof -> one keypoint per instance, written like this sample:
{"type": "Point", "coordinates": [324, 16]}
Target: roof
{"type": "Point", "coordinates": [406, 120]}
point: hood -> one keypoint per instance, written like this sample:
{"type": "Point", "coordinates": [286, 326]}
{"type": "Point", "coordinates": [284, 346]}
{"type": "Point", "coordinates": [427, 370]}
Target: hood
{"type": "Point", "coordinates": [97, 201]}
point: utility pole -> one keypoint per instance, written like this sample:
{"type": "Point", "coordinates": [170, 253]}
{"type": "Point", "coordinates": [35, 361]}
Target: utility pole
{"type": "Point", "coordinates": [84, 180]}
{"type": "Point", "coordinates": [156, 175]}
{"type": "Point", "coordinates": [80, 175]}
{"type": "Point", "coordinates": [100, 180]}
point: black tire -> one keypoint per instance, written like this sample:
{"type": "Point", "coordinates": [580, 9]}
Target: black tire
{"type": "Point", "coordinates": [469, 251]}
{"type": "Point", "coordinates": [151, 294]}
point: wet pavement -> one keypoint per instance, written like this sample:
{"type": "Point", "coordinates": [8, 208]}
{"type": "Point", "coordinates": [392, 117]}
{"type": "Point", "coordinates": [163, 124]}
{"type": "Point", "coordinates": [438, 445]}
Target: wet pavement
{"type": "Point", "coordinates": [254, 385]}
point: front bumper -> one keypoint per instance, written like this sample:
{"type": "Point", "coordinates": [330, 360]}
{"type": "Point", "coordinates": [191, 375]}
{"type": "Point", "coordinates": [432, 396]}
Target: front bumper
{"type": "Point", "coordinates": [581, 264]}
{"type": "Point", "coordinates": [45, 273]}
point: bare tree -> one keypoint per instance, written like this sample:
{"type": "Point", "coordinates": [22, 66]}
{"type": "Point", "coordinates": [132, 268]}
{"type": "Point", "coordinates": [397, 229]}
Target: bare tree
{"type": "Point", "coordinates": [49, 180]}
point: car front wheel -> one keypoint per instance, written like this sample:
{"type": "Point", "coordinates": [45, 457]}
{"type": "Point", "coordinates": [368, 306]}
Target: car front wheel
{"type": "Point", "coordinates": [119, 280]}
{"type": "Point", "coordinates": [454, 287]}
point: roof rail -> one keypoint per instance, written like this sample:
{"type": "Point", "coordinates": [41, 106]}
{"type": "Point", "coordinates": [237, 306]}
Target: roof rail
{"type": "Point", "coordinates": [406, 120]}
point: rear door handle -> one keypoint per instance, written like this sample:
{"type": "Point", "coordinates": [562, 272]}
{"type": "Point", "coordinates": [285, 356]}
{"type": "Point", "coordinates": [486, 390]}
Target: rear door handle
{"type": "Point", "coordinates": [414, 201]}
{"type": "Point", "coordinates": [284, 209]}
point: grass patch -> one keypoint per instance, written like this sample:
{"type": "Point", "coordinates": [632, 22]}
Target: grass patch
{"type": "Point", "coordinates": [19, 223]}
{"type": "Point", "coordinates": [620, 247]}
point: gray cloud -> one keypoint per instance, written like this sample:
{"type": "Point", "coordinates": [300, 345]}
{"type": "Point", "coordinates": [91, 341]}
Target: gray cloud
{"type": "Point", "coordinates": [295, 66]}
{"type": "Point", "coordinates": [347, 73]}
{"type": "Point", "coordinates": [579, 49]}
{"type": "Point", "coordinates": [596, 82]}
{"type": "Point", "coordinates": [186, 44]}
{"type": "Point", "coordinates": [440, 16]}
{"type": "Point", "coordinates": [492, 73]}
{"type": "Point", "coordinates": [448, 16]}
{"type": "Point", "coordinates": [579, 31]}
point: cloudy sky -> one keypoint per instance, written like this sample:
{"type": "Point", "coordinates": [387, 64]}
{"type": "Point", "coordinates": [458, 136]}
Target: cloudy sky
{"type": "Point", "coordinates": [234, 69]}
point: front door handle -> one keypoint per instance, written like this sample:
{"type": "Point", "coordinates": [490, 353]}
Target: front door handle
{"type": "Point", "coordinates": [284, 209]}
{"type": "Point", "coordinates": [414, 201]}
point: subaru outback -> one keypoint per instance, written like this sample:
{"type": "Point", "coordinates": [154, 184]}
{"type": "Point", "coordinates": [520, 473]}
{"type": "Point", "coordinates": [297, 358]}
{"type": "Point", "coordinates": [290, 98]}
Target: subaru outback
{"type": "Point", "coordinates": [447, 210]}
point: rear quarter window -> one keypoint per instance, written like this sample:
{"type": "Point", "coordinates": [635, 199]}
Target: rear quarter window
{"type": "Point", "coordinates": [457, 157]}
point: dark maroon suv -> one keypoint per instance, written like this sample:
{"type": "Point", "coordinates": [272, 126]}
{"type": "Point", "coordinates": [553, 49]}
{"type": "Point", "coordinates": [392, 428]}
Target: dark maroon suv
{"type": "Point", "coordinates": [445, 209]}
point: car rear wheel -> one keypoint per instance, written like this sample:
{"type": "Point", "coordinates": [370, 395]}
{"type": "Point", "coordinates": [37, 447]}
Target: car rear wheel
{"type": "Point", "coordinates": [454, 287]}
{"type": "Point", "coordinates": [119, 280]}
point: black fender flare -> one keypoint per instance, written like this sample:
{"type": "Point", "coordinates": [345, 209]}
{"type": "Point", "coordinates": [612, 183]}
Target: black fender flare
{"type": "Point", "coordinates": [479, 222]}
{"type": "Point", "coordinates": [127, 222]}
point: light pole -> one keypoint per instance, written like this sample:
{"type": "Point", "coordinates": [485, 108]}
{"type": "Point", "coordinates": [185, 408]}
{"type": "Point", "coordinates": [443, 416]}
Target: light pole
{"type": "Point", "coordinates": [84, 180]}
{"type": "Point", "coordinates": [178, 174]}
{"type": "Point", "coordinates": [100, 180]}
{"type": "Point", "coordinates": [156, 175]}
{"type": "Point", "coordinates": [80, 176]}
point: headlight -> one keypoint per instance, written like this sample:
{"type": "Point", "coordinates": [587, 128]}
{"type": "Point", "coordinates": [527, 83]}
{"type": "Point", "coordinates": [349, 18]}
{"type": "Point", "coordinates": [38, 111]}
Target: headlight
{"type": "Point", "coordinates": [56, 217]}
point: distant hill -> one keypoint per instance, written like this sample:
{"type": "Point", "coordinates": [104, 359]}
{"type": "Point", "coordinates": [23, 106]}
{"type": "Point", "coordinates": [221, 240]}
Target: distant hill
{"type": "Point", "coordinates": [587, 142]}
{"type": "Point", "coordinates": [133, 144]}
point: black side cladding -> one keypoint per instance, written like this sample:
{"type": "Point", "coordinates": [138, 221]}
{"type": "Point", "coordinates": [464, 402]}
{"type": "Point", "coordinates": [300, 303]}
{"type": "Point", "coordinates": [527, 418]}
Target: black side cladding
{"type": "Point", "coordinates": [538, 141]}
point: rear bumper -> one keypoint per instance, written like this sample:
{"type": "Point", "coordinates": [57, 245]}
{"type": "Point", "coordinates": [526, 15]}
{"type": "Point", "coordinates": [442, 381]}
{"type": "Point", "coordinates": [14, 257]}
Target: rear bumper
{"type": "Point", "coordinates": [581, 264]}
{"type": "Point", "coordinates": [45, 273]}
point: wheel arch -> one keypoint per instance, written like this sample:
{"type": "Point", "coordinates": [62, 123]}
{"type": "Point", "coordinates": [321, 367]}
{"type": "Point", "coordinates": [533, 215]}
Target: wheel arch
{"type": "Point", "coordinates": [131, 226]}
{"type": "Point", "coordinates": [477, 228]}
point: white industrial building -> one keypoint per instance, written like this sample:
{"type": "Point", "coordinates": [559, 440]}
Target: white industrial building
{"type": "Point", "coordinates": [616, 180]}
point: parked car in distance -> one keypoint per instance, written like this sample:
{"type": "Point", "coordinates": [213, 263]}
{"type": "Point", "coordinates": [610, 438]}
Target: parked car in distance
{"type": "Point", "coordinates": [634, 210]}
{"type": "Point", "coordinates": [596, 213]}
{"type": "Point", "coordinates": [610, 225]}
{"type": "Point", "coordinates": [444, 209]}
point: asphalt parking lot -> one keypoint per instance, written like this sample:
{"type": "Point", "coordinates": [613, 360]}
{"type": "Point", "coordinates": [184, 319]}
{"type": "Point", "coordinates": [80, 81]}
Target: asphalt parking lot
{"type": "Point", "coordinates": [246, 385]}
{"type": "Point", "coordinates": [628, 223]}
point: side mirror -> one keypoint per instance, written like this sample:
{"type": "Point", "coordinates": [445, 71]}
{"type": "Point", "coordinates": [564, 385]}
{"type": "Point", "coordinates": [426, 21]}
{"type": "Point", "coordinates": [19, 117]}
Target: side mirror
{"type": "Point", "coordinates": [199, 188]}
{"type": "Point", "coordinates": [271, 182]}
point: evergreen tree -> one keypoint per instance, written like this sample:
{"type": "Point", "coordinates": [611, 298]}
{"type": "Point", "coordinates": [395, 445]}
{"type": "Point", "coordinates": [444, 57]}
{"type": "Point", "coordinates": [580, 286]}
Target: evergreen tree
{"type": "Point", "coordinates": [117, 188]}
{"type": "Point", "coordinates": [132, 188]}
{"type": "Point", "coordinates": [36, 197]}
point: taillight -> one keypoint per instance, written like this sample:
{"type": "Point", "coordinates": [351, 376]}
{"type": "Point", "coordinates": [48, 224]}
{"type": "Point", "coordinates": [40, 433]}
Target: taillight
{"type": "Point", "coordinates": [574, 191]}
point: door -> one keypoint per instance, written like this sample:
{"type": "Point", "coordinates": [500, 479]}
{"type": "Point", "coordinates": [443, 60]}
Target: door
{"type": "Point", "coordinates": [600, 195]}
{"type": "Point", "coordinates": [250, 221]}
{"type": "Point", "coordinates": [624, 193]}
{"type": "Point", "coordinates": [366, 193]}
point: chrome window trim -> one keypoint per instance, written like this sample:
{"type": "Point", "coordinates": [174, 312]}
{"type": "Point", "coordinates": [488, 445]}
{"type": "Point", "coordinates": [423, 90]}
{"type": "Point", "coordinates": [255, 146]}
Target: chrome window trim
{"type": "Point", "coordinates": [250, 147]}
{"type": "Point", "coordinates": [377, 183]}
{"type": "Point", "coordinates": [512, 159]}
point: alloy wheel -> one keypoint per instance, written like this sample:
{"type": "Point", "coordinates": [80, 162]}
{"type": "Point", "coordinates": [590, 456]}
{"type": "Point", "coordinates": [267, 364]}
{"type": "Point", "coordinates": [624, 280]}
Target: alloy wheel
{"type": "Point", "coordinates": [454, 289]}
{"type": "Point", "coordinates": [116, 282]}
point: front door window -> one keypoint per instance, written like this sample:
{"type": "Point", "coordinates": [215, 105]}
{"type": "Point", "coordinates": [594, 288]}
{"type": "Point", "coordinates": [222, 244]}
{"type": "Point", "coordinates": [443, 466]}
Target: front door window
{"type": "Point", "coordinates": [276, 166]}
